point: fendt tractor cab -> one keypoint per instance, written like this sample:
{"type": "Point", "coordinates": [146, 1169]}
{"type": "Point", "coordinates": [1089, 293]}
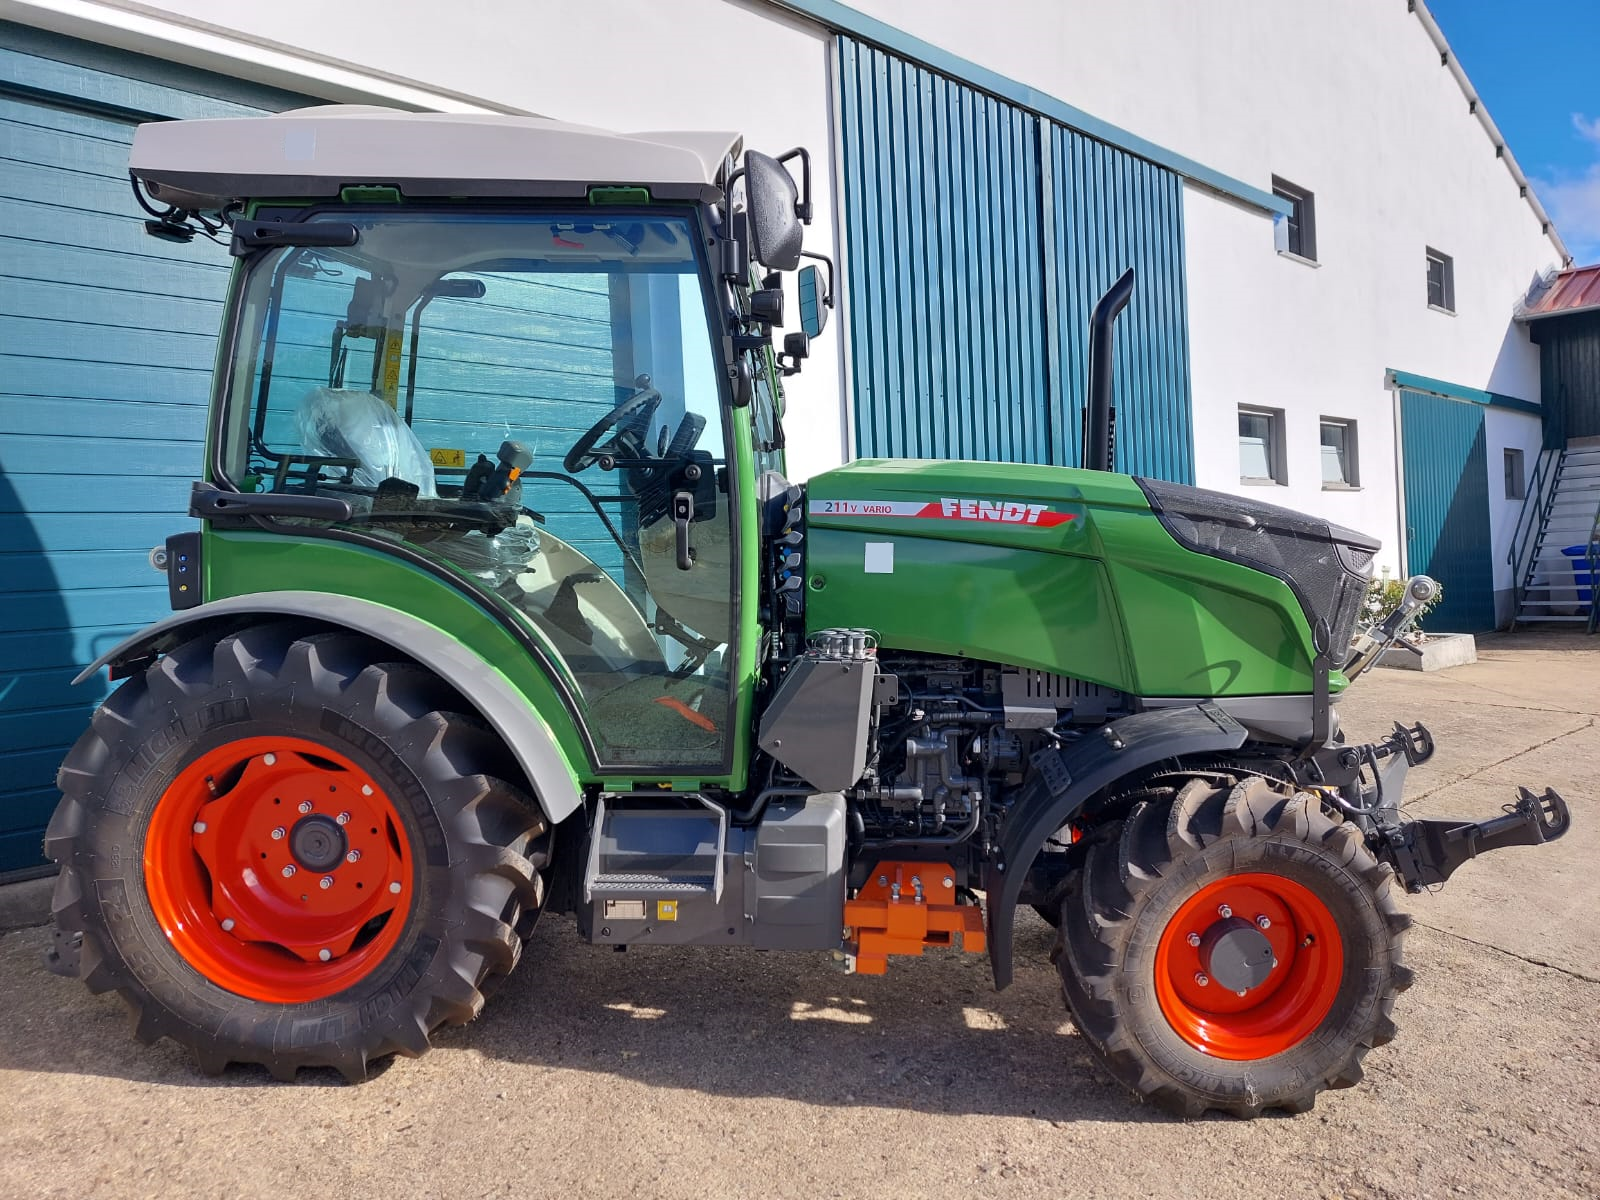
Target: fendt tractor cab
{"type": "Point", "coordinates": [500, 603]}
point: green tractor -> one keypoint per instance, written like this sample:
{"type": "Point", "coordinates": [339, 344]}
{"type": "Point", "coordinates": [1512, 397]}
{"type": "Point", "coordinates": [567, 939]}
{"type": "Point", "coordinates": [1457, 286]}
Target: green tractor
{"type": "Point", "coordinates": [500, 603]}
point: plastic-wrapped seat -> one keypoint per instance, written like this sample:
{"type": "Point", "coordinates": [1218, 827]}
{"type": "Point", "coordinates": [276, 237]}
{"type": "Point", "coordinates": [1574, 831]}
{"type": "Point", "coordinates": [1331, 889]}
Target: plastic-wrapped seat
{"type": "Point", "coordinates": [356, 424]}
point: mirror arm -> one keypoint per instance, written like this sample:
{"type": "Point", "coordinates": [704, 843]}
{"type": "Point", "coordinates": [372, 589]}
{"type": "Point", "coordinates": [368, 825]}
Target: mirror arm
{"type": "Point", "coordinates": [802, 208]}
{"type": "Point", "coordinates": [734, 251]}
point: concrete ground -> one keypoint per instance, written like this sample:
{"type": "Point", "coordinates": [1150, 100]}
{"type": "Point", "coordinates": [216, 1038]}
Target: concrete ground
{"type": "Point", "coordinates": [719, 1073]}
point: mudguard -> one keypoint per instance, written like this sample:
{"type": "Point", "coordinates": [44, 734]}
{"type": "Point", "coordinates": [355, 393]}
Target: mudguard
{"type": "Point", "coordinates": [502, 706]}
{"type": "Point", "coordinates": [1063, 781]}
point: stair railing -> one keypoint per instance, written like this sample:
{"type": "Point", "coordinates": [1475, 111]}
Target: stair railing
{"type": "Point", "coordinates": [1536, 504]}
{"type": "Point", "coordinates": [1592, 557]}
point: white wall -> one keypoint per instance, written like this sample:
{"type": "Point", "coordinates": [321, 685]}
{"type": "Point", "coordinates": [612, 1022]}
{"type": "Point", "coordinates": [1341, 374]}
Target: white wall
{"type": "Point", "coordinates": [616, 64]}
{"type": "Point", "coordinates": [1350, 101]}
{"type": "Point", "coordinates": [1505, 430]}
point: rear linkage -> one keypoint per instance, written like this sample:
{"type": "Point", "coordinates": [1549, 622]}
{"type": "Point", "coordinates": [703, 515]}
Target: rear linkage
{"type": "Point", "coordinates": [1366, 782]}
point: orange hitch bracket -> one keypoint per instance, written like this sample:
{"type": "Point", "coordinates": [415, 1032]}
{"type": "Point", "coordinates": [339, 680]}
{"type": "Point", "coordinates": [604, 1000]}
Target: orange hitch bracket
{"type": "Point", "coordinates": [904, 907]}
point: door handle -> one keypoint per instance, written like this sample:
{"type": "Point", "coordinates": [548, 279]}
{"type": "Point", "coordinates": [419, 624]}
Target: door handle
{"type": "Point", "coordinates": [682, 518]}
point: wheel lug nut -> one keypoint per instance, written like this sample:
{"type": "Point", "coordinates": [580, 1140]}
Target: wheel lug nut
{"type": "Point", "coordinates": [366, 789]}
{"type": "Point", "coordinates": [353, 856]}
{"type": "Point", "coordinates": [326, 882]}
{"type": "Point", "coordinates": [324, 955]}
{"type": "Point", "coordinates": [1224, 911]}
{"type": "Point", "coordinates": [395, 888]}
{"type": "Point", "coordinates": [199, 826]}
{"type": "Point", "coordinates": [1194, 939]}
{"type": "Point", "coordinates": [269, 759]}
{"type": "Point", "coordinates": [305, 806]}
{"type": "Point", "coordinates": [1201, 979]}
{"type": "Point", "coordinates": [1240, 992]}
{"type": "Point", "coordinates": [227, 924]}
{"type": "Point", "coordinates": [1274, 964]}
{"type": "Point", "coordinates": [343, 818]}
{"type": "Point", "coordinates": [277, 834]}
{"type": "Point", "coordinates": [1263, 922]}
{"type": "Point", "coordinates": [288, 870]}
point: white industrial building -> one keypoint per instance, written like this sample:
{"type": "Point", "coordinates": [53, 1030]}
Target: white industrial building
{"type": "Point", "coordinates": [1331, 236]}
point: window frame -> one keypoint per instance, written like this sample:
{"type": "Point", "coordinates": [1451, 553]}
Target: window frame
{"type": "Point", "coordinates": [1514, 462]}
{"type": "Point", "coordinates": [1447, 281]}
{"type": "Point", "coordinates": [1277, 462]}
{"type": "Point", "coordinates": [1296, 234]}
{"type": "Point", "coordinates": [1351, 481]}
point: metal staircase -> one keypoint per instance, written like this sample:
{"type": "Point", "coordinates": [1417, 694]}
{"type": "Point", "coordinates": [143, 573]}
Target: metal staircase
{"type": "Point", "coordinates": [1562, 509]}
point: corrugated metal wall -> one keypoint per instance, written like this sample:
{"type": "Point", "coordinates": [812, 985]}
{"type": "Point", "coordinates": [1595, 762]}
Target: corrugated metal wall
{"type": "Point", "coordinates": [1445, 460]}
{"type": "Point", "coordinates": [977, 238]}
{"type": "Point", "coordinates": [1569, 373]}
{"type": "Point", "coordinates": [1112, 211]}
{"type": "Point", "coordinates": [106, 345]}
{"type": "Point", "coordinates": [943, 234]}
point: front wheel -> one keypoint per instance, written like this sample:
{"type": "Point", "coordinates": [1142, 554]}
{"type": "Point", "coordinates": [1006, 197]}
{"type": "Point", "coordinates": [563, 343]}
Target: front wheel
{"type": "Point", "coordinates": [280, 848]}
{"type": "Point", "coordinates": [1231, 946]}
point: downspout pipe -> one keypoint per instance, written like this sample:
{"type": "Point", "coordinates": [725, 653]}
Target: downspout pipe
{"type": "Point", "coordinates": [1099, 444]}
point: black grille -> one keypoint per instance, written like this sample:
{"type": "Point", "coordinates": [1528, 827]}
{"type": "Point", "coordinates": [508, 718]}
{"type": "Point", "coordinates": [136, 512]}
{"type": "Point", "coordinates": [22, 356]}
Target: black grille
{"type": "Point", "coordinates": [1326, 565]}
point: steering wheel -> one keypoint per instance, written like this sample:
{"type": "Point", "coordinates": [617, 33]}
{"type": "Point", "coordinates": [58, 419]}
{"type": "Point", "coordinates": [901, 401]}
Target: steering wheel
{"type": "Point", "coordinates": [636, 410]}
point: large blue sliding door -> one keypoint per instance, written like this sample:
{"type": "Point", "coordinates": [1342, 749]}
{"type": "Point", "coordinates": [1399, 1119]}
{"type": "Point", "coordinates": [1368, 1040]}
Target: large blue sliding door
{"type": "Point", "coordinates": [978, 236]}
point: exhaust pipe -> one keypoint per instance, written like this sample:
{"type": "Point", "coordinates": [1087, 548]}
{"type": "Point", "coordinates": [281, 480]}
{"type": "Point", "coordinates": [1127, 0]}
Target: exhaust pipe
{"type": "Point", "coordinates": [1099, 434]}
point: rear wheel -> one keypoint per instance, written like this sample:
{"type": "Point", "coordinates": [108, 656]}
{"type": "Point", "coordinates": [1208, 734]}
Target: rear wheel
{"type": "Point", "coordinates": [281, 849]}
{"type": "Point", "coordinates": [1230, 945]}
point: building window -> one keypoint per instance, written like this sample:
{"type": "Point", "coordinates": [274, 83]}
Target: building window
{"type": "Point", "coordinates": [1441, 281]}
{"type": "Point", "coordinates": [1516, 487]}
{"type": "Point", "coordinates": [1340, 468]}
{"type": "Point", "coordinates": [1261, 446]}
{"type": "Point", "coordinates": [1296, 233]}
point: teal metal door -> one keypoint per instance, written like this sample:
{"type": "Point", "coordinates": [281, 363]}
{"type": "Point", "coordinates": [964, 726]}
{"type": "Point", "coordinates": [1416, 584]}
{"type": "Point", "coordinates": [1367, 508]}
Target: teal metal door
{"type": "Point", "coordinates": [1445, 462]}
{"type": "Point", "coordinates": [106, 343]}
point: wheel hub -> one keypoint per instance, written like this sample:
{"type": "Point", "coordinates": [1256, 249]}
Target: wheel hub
{"type": "Point", "coordinates": [1236, 955]}
{"type": "Point", "coordinates": [278, 868]}
{"type": "Point", "coordinates": [317, 843]}
{"type": "Point", "coordinates": [1249, 966]}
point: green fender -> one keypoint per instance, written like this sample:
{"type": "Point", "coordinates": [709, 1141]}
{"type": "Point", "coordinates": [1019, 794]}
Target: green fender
{"type": "Point", "coordinates": [554, 784]}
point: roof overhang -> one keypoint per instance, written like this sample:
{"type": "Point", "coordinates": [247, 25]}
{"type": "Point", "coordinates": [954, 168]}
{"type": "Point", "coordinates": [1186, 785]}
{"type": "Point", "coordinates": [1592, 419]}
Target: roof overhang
{"type": "Point", "coordinates": [316, 152]}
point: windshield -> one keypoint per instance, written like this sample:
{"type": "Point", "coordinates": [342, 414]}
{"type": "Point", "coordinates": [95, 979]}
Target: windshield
{"type": "Point", "coordinates": [533, 400]}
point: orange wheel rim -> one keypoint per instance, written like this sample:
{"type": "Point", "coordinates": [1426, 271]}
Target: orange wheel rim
{"type": "Point", "coordinates": [1264, 914]}
{"type": "Point", "coordinates": [278, 869]}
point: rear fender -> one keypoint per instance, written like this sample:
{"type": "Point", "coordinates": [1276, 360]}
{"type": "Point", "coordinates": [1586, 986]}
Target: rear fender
{"type": "Point", "coordinates": [525, 733]}
{"type": "Point", "coordinates": [1061, 782]}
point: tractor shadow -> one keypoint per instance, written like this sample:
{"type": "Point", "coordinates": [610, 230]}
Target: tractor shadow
{"type": "Point", "coordinates": [931, 1036]}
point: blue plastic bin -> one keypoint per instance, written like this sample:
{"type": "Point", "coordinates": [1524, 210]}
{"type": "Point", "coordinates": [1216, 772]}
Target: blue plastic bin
{"type": "Point", "coordinates": [1580, 573]}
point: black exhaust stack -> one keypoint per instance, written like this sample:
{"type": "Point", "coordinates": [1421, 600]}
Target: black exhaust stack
{"type": "Point", "coordinates": [1099, 434]}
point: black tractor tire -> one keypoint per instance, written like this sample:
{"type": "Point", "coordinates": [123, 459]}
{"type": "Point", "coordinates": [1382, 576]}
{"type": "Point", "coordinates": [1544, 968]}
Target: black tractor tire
{"type": "Point", "coordinates": [473, 846]}
{"type": "Point", "coordinates": [1124, 971]}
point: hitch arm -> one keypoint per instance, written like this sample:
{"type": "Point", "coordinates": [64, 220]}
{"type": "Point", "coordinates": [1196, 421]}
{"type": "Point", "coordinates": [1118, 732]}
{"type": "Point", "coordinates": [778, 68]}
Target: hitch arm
{"type": "Point", "coordinates": [1427, 852]}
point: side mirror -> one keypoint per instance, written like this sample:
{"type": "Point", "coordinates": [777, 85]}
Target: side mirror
{"type": "Point", "coordinates": [813, 302]}
{"type": "Point", "coordinates": [772, 203]}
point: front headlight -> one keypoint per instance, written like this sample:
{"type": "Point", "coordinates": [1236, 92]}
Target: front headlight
{"type": "Point", "coordinates": [1327, 566]}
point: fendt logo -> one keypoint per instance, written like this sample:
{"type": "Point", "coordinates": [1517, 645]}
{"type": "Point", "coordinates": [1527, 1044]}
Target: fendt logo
{"type": "Point", "coordinates": [950, 508]}
{"type": "Point", "coordinates": [1009, 511]}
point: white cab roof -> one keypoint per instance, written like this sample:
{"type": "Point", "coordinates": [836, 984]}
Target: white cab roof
{"type": "Point", "coordinates": [318, 151]}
